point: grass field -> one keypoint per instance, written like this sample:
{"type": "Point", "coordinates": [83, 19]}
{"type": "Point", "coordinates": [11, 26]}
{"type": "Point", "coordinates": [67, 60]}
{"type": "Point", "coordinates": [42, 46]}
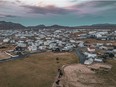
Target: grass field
{"type": "Point", "coordinates": [110, 77]}
{"type": "Point", "coordinates": [38, 70]}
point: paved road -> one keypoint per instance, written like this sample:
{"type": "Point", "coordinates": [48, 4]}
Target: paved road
{"type": "Point", "coordinates": [18, 57]}
{"type": "Point", "coordinates": [81, 56]}
{"type": "Point", "coordinates": [13, 58]}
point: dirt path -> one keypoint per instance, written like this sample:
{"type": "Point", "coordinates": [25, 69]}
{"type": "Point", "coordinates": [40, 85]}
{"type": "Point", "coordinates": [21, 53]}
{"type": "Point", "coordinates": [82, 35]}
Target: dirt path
{"type": "Point", "coordinates": [78, 75]}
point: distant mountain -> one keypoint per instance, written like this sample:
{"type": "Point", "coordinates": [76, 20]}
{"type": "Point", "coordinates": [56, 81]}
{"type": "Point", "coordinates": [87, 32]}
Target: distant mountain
{"type": "Point", "coordinates": [94, 26]}
{"type": "Point", "coordinates": [48, 27]}
{"type": "Point", "coordinates": [98, 26]}
{"type": "Point", "coordinates": [105, 25]}
{"type": "Point", "coordinates": [36, 27]}
{"type": "Point", "coordinates": [10, 25]}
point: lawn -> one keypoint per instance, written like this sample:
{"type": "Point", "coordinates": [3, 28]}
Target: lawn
{"type": "Point", "coordinates": [37, 70]}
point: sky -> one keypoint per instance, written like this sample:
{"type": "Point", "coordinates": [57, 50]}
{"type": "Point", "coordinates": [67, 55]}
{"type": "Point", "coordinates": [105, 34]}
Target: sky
{"type": "Point", "coordinates": [61, 12]}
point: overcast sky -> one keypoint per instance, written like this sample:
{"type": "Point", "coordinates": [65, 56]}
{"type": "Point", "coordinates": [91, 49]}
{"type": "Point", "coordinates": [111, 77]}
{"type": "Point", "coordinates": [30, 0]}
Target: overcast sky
{"type": "Point", "coordinates": [62, 12]}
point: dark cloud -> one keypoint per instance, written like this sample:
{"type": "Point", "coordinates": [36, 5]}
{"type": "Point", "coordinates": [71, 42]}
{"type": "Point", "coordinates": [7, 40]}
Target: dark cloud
{"type": "Point", "coordinates": [94, 7]}
{"type": "Point", "coordinates": [97, 4]}
{"type": "Point", "coordinates": [11, 16]}
{"type": "Point", "coordinates": [46, 10]}
{"type": "Point", "coordinates": [87, 7]}
{"type": "Point", "coordinates": [7, 16]}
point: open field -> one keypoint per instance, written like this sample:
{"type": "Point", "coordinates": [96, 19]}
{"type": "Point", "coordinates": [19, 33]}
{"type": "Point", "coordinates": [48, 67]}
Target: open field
{"type": "Point", "coordinates": [38, 70]}
{"type": "Point", "coordinates": [109, 78]}
{"type": "Point", "coordinates": [3, 56]}
{"type": "Point", "coordinates": [4, 48]}
{"type": "Point", "coordinates": [99, 41]}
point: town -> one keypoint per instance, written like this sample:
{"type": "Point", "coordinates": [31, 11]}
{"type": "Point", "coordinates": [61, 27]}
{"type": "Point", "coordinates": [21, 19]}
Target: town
{"type": "Point", "coordinates": [88, 50]}
{"type": "Point", "coordinates": [57, 43]}
{"type": "Point", "coordinates": [90, 45]}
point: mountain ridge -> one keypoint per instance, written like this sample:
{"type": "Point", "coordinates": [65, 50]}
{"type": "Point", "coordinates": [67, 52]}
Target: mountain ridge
{"type": "Point", "coordinates": [12, 25]}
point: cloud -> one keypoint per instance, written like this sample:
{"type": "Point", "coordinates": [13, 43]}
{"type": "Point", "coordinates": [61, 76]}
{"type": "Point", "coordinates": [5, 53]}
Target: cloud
{"type": "Point", "coordinates": [50, 9]}
{"type": "Point", "coordinates": [93, 7]}
{"type": "Point", "coordinates": [84, 8]}
{"type": "Point", "coordinates": [11, 16]}
{"type": "Point", "coordinates": [78, 7]}
{"type": "Point", "coordinates": [7, 16]}
{"type": "Point", "coordinates": [2, 2]}
{"type": "Point", "coordinates": [18, 1]}
{"type": "Point", "coordinates": [10, 9]}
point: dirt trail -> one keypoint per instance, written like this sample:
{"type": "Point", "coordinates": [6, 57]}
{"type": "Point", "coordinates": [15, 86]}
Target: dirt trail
{"type": "Point", "coordinates": [79, 75]}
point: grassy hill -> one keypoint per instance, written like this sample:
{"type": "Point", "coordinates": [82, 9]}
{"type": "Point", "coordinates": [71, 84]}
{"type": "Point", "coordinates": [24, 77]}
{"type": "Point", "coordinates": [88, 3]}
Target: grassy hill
{"type": "Point", "coordinates": [38, 70]}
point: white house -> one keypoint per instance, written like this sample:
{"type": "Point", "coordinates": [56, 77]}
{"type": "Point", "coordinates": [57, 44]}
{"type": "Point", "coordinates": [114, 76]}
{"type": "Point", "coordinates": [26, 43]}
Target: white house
{"type": "Point", "coordinates": [72, 41]}
{"type": "Point", "coordinates": [99, 44]}
{"type": "Point", "coordinates": [103, 32]}
{"type": "Point", "coordinates": [6, 40]}
{"type": "Point", "coordinates": [90, 55]}
{"type": "Point", "coordinates": [108, 44]}
{"type": "Point", "coordinates": [21, 44]}
{"type": "Point", "coordinates": [91, 49]}
{"type": "Point", "coordinates": [98, 35]}
{"type": "Point", "coordinates": [103, 48]}
{"type": "Point", "coordinates": [67, 48]}
{"type": "Point", "coordinates": [114, 50]}
{"type": "Point", "coordinates": [46, 43]}
{"type": "Point", "coordinates": [42, 48]}
{"type": "Point", "coordinates": [52, 45]}
{"type": "Point", "coordinates": [89, 61]}
{"type": "Point", "coordinates": [32, 48]}
{"type": "Point", "coordinates": [92, 32]}
{"type": "Point", "coordinates": [98, 60]}
{"type": "Point", "coordinates": [81, 44]}
{"type": "Point", "coordinates": [12, 41]}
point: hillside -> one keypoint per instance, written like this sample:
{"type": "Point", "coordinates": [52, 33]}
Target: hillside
{"type": "Point", "coordinates": [10, 25]}
{"type": "Point", "coordinates": [37, 70]}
